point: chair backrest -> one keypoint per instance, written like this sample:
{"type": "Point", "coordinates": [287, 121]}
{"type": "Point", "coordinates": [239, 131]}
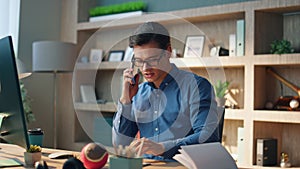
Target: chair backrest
{"type": "Point", "coordinates": [221, 122]}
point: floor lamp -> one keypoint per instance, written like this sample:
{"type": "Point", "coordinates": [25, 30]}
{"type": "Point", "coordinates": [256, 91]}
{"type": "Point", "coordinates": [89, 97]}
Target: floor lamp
{"type": "Point", "coordinates": [53, 57]}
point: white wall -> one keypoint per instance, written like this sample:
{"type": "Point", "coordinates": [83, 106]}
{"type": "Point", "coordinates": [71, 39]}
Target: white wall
{"type": "Point", "coordinates": [39, 20]}
{"type": "Point", "coordinates": [9, 20]}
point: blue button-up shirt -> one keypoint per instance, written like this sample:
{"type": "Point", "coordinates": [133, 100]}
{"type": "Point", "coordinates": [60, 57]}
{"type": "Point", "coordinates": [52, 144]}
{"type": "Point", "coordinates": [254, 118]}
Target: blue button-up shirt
{"type": "Point", "coordinates": [182, 111]}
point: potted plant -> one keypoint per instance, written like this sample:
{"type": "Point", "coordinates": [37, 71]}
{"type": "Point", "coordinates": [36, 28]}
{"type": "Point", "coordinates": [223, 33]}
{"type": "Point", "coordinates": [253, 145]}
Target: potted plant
{"type": "Point", "coordinates": [26, 104]}
{"type": "Point", "coordinates": [281, 47]}
{"type": "Point", "coordinates": [117, 8]}
{"type": "Point", "coordinates": [220, 90]}
{"type": "Point", "coordinates": [32, 155]}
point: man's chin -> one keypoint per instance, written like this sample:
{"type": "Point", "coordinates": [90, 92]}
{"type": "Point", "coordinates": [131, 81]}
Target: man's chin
{"type": "Point", "coordinates": [150, 80]}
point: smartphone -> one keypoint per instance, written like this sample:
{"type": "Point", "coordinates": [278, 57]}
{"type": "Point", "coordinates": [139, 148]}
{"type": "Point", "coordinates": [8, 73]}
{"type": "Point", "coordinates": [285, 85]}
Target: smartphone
{"type": "Point", "coordinates": [133, 73]}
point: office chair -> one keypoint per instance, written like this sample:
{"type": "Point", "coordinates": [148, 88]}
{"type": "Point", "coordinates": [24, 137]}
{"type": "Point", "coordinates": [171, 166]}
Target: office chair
{"type": "Point", "coordinates": [221, 122]}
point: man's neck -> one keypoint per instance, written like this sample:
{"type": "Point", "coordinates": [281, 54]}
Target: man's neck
{"type": "Point", "coordinates": [157, 83]}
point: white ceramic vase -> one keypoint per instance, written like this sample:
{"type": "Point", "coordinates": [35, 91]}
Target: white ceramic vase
{"type": "Point", "coordinates": [31, 158]}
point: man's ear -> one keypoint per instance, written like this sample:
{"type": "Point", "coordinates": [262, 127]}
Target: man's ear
{"type": "Point", "coordinates": [169, 49]}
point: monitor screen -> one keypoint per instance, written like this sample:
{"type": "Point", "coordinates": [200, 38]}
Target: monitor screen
{"type": "Point", "coordinates": [13, 127]}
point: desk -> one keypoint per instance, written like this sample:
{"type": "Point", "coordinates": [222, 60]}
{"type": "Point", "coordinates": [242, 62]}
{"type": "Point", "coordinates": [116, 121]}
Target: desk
{"type": "Point", "coordinates": [16, 152]}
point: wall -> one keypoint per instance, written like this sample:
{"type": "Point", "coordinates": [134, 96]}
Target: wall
{"type": "Point", "coordinates": [9, 20]}
{"type": "Point", "coordinates": [39, 20]}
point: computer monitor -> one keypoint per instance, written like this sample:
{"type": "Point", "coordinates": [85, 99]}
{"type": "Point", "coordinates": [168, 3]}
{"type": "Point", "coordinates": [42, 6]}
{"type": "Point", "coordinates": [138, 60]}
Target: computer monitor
{"type": "Point", "coordinates": [13, 126]}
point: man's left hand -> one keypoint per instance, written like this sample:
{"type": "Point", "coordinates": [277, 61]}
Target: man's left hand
{"type": "Point", "coordinates": [147, 147]}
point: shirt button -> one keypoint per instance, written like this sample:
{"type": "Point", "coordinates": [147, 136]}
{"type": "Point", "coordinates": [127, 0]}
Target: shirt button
{"type": "Point", "coordinates": [155, 112]}
{"type": "Point", "coordinates": [120, 108]}
{"type": "Point", "coordinates": [156, 129]}
{"type": "Point", "coordinates": [166, 84]}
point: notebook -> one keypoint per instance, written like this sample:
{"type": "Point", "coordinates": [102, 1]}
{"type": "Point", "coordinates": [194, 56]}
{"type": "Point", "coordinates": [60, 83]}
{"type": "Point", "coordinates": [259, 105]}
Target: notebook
{"type": "Point", "coordinates": [205, 156]}
{"type": "Point", "coordinates": [9, 162]}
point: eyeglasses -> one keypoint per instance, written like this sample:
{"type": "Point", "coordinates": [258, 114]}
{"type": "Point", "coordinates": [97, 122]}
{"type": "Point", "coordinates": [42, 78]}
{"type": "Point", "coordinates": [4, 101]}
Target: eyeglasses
{"type": "Point", "coordinates": [150, 62]}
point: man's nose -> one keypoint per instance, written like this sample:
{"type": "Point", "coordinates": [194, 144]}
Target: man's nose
{"type": "Point", "coordinates": [145, 66]}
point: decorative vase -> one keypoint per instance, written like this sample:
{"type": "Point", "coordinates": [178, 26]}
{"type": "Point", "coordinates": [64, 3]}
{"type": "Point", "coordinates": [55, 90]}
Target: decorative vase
{"type": "Point", "coordinates": [220, 101]}
{"type": "Point", "coordinates": [31, 158]}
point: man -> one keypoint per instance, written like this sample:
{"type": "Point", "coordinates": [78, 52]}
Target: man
{"type": "Point", "coordinates": [172, 108]}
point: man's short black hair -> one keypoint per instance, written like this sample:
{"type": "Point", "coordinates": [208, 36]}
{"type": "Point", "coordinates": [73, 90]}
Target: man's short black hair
{"type": "Point", "coordinates": [150, 32]}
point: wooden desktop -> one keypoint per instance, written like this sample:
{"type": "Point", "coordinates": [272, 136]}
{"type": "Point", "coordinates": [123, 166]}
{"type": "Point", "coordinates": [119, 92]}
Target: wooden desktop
{"type": "Point", "coordinates": [16, 152]}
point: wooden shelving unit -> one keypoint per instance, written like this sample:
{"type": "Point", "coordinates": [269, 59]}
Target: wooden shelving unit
{"type": "Point", "coordinates": [107, 107]}
{"type": "Point", "coordinates": [265, 21]}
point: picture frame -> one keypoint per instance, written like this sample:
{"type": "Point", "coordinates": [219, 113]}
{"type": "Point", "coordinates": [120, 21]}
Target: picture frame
{"type": "Point", "coordinates": [88, 94]}
{"type": "Point", "coordinates": [194, 46]}
{"type": "Point", "coordinates": [116, 55]}
{"type": "Point", "coordinates": [128, 54]}
{"type": "Point", "coordinates": [96, 55]}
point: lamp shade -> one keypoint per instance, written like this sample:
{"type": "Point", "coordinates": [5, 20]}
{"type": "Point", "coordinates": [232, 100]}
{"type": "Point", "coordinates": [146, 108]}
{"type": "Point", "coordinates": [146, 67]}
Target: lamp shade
{"type": "Point", "coordinates": [22, 71]}
{"type": "Point", "coordinates": [53, 56]}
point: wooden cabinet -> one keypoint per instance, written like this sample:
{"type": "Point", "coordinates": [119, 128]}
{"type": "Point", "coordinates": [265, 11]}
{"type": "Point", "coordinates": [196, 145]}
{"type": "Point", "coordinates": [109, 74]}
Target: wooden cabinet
{"type": "Point", "coordinates": [251, 86]}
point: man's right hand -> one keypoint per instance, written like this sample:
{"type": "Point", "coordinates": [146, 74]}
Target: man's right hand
{"type": "Point", "coordinates": [129, 89]}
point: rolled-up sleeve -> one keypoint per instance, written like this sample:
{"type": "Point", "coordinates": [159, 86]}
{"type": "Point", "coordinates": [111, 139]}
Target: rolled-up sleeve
{"type": "Point", "coordinates": [124, 127]}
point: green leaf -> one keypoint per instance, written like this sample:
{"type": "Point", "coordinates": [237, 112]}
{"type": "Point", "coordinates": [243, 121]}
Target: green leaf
{"type": "Point", "coordinates": [117, 8]}
{"type": "Point", "coordinates": [281, 47]}
{"type": "Point", "coordinates": [221, 88]}
{"type": "Point", "coordinates": [26, 104]}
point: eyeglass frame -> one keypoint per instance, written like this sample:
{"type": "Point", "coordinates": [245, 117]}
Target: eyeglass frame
{"type": "Point", "coordinates": [147, 61]}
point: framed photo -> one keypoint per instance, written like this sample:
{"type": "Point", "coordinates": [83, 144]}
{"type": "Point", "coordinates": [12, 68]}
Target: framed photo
{"type": "Point", "coordinates": [128, 54]}
{"type": "Point", "coordinates": [194, 46]}
{"type": "Point", "coordinates": [88, 94]}
{"type": "Point", "coordinates": [96, 55]}
{"type": "Point", "coordinates": [115, 56]}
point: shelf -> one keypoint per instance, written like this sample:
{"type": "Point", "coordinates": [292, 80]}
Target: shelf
{"type": "Point", "coordinates": [102, 66]}
{"type": "Point", "coordinates": [282, 20]}
{"type": "Point", "coordinates": [251, 85]}
{"type": "Point", "coordinates": [284, 59]}
{"type": "Point", "coordinates": [180, 62]}
{"type": "Point", "coordinates": [277, 116]}
{"type": "Point", "coordinates": [218, 12]}
{"type": "Point", "coordinates": [234, 114]}
{"type": "Point", "coordinates": [225, 61]}
{"type": "Point", "coordinates": [229, 11]}
{"type": "Point", "coordinates": [268, 88]}
{"type": "Point", "coordinates": [107, 107]}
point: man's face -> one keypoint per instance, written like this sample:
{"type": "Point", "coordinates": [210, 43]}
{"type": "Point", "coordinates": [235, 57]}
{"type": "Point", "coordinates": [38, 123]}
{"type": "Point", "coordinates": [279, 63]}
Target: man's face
{"type": "Point", "coordinates": [152, 61]}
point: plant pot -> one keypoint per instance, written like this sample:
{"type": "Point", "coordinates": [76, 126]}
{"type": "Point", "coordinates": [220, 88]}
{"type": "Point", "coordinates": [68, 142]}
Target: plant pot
{"type": "Point", "coordinates": [220, 101]}
{"type": "Point", "coordinates": [31, 158]}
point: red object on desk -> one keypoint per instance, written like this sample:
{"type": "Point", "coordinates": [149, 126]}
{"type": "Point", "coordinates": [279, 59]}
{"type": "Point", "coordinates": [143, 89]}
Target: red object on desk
{"type": "Point", "coordinates": [93, 156]}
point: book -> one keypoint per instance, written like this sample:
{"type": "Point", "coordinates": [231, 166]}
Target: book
{"type": "Point", "coordinates": [88, 94]}
{"type": "Point", "coordinates": [205, 156]}
{"type": "Point", "coordinates": [232, 45]}
{"type": "Point", "coordinates": [240, 37]}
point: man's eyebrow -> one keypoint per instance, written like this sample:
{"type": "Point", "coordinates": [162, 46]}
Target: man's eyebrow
{"type": "Point", "coordinates": [151, 57]}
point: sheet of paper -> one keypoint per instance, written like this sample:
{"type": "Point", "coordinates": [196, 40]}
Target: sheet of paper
{"type": "Point", "coordinates": [9, 163]}
{"type": "Point", "coordinates": [183, 160]}
{"type": "Point", "coordinates": [206, 156]}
